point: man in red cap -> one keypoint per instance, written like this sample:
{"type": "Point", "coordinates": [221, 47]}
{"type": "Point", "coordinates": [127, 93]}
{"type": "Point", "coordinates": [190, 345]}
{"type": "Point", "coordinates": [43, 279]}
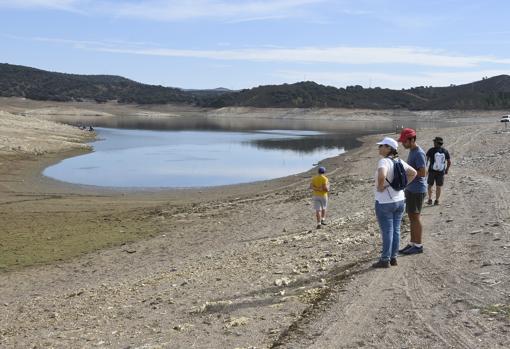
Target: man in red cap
{"type": "Point", "coordinates": [416, 191]}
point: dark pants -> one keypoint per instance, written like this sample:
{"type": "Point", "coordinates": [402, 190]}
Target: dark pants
{"type": "Point", "coordinates": [437, 177]}
{"type": "Point", "coordinates": [414, 201]}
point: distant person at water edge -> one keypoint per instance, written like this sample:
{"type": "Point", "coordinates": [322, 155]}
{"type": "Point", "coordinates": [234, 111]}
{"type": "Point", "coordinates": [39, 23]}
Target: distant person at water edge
{"type": "Point", "coordinates": [439, 164]}
{"type": "Point", "coordinates": [390, 199]}
{"type": "Point", "coordinates": [320, 188]}
{"type": "Point", "coordinates": [416, 191]}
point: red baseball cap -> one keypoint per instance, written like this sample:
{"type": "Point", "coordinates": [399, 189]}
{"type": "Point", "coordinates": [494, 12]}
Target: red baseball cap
{"type": "Point", "coordinates": [406, 134]}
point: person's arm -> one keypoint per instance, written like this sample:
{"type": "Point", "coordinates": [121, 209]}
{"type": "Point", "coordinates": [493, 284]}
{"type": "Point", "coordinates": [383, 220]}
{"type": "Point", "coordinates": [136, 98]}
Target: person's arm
{"type": "Point", "coordinates": [448, 161]}
{"type": "Point", "coordinates": [325, 187]}
{"type": "Point", "coordinates": [381, 178]}
{"type": "Point", "coordinates": [421, 172]}
{"type": "Point", "coordinates": [429, 157]}
{"type": "Point", "coordinates": [421, 169]}
{"type": "Point", "coordinates": [411, 174]}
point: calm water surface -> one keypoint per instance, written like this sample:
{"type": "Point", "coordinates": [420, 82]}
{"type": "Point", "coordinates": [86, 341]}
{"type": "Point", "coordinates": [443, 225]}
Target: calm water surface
{"type": "Point", "coordinates": [150, 159]}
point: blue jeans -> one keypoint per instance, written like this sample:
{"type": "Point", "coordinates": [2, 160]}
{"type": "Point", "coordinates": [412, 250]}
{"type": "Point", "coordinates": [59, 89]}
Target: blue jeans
{"type": "Point", "coordinates": [389, 217]}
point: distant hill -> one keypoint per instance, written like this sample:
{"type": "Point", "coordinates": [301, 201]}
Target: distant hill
{"type": "Point", "coordinates": [20, 81]}
{"type": "Point", "coordinates": [206, 93]}
{"type": "Point", "coordinates": [490, 93]}
{"type": "Point", "coordinates": [312, 95]}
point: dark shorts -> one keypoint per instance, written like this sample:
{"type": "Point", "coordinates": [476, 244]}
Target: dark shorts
{"type": "Point", "coordinates": [437, 177]}
{"type": "Point", "coordinates": [414, 202]}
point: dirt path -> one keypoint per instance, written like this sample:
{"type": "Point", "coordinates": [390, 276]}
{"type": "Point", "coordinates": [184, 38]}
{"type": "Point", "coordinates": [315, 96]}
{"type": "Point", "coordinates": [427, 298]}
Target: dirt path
{"type": "Point", "coordinates": [456, 294]}
{"type": "Point", "coordinates": [244, 267]}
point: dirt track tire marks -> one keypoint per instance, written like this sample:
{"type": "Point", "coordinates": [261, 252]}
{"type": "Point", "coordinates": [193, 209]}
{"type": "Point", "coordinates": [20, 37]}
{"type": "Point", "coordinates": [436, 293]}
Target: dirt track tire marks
{"type": "Point", "coordinates": [442, 288]}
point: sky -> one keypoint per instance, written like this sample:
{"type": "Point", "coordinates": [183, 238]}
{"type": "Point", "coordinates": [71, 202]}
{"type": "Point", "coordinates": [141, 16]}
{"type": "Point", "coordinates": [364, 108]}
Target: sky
{"type": "Point", "coordinates": [199, 44]}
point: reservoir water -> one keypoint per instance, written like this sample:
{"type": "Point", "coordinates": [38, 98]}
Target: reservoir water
{"type": "Point", "coordinates": [181, 159]}
{"type": "Point", "coordinates": [184, 152]}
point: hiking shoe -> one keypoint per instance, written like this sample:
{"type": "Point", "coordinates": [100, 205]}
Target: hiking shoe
{"type": "Point", "coordinates": [429, 202]}
{"type": "Point", "coordinates": [413, 250]}
{"type": "Point", "coordinates": [436, 203]}
{"type": "Point", "coordinates": [381, 264]}
{"type": "Point", "coordinates": [405, 249]}
{"type": "Point", "coordinates": [318, 226]}
{"type": "Point", "coordinates": [393, 262]}
{"type": "Point", "coordinates": [324, 223]}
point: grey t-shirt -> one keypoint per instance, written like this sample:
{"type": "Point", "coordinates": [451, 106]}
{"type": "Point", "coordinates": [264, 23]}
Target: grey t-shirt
{"type": "Point", "coordinates": [417, 160]}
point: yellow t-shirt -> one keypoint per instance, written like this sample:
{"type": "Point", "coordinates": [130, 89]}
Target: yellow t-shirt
{"type": "Point", "coordinates": [319, 181]}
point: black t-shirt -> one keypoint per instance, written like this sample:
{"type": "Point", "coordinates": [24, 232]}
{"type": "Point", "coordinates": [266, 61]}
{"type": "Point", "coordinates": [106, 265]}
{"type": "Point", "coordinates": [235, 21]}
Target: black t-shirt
{"type": "Point", "coordinates": [431, 155]}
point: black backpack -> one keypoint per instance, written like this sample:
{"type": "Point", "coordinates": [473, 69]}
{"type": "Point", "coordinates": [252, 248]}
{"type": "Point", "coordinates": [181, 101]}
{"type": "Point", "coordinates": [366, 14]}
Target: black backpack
{"type": "Point", "coordinates": [399, 181]}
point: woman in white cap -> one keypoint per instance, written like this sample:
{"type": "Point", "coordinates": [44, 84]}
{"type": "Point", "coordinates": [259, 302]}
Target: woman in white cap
{"type": "Point", "coordinates": [390, 181]}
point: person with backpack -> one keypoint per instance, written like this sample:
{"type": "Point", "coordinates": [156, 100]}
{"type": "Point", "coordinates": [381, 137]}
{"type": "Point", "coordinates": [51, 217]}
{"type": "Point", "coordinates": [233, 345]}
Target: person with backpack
{"type": "Point", "coordinates": [439, 164]}
{"type": "Point", "coordinates": [320, 187]}
{"type": "Point", "coordinates": [416, 191]}
{"type": "Point", "coordinates": [391, 178]}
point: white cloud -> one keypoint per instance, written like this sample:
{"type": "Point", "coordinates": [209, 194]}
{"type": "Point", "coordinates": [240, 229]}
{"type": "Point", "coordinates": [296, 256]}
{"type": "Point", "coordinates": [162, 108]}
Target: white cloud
{"type": "Point", "coordinates": [377, 61]}
{"type": "Point", "coordinates": [51, 4]}
{"type": "Point", "coordinates": [386, 80]}
{"type": "Point", "coordinates": [88, 44]}
{"type": "Point", "coordinates": [345, 55]}
{"type": "Point", "coordinates": [175, 10]}
{"type": "Point", "coordinates": [336, 55]}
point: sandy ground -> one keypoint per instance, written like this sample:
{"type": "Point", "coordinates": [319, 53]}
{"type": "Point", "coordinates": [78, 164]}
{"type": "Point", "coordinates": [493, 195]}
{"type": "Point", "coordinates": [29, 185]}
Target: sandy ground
{"type": "Point", "coordinates": [23, 136]}
{"type": "Point", "coordinates": [243, 266]}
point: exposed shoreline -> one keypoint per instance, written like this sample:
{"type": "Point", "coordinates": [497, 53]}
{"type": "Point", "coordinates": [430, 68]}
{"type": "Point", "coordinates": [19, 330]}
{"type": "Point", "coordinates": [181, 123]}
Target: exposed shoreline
{"type": "Point", "coordinates": [29, 163]}
{"type": "Point", "coordinates": [242, 266]}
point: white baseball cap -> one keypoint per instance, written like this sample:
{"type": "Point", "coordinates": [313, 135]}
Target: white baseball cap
{"type": "Point", "coordinates": [389, 141]}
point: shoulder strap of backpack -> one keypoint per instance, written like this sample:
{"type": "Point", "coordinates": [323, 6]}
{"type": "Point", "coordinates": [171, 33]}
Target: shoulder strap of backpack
{"type": "Point", "coordinates": [387, 188]}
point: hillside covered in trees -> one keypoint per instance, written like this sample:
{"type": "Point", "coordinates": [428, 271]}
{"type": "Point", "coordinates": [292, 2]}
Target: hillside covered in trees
{"type": "Point", "coordinates": [489, 93]}
{"type": "Point", "coordinates": [20, 81]}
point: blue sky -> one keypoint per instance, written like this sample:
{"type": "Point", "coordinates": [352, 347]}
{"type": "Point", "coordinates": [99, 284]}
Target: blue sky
{"type": "Point", "coordinates": [242, 44]}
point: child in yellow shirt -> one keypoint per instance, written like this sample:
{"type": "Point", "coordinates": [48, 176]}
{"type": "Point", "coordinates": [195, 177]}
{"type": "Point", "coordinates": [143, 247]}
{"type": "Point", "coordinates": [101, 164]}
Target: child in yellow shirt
{"type": "Point", "coordinates": [320, 187]}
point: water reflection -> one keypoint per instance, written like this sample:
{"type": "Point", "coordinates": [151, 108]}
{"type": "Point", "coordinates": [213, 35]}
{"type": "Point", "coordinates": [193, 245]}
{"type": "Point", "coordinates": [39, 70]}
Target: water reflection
{"type": "Point", "coordinates": [310, 143]}
{"type": "Point", "coordinates": [141, 158]}
{"type": "Point", "coordinates": [211, 123]}
{"type": "Point", "coordinates": [197, 151]}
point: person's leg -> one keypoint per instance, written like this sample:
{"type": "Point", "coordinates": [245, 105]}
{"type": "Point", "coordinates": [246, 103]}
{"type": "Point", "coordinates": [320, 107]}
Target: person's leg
{"type": "Point", "coordinates": [429, 201]}
{"type": "Point", "coordinates": [414, 205]}
{"type": "Point", "coordinates": [317, 205]}
{"type": "Point", "coordinates": [384, 214]}
{"type": "Point", "coordinates": [416, 227]}
{"type": "Point", "coordinates": [430, 182]}
{"type": "Point", "coordinates": [410, 210]}
{"type": "Point", "coordinates": [397, 220]}
{"type": "Point", "coordinates": [414, 213]}
{"type": "Point", "coordinates": [324, 208]}
{"type": "Point", "coordinates": [409, 207]}
{"type": "Point", "coordinates": [439, 185]}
